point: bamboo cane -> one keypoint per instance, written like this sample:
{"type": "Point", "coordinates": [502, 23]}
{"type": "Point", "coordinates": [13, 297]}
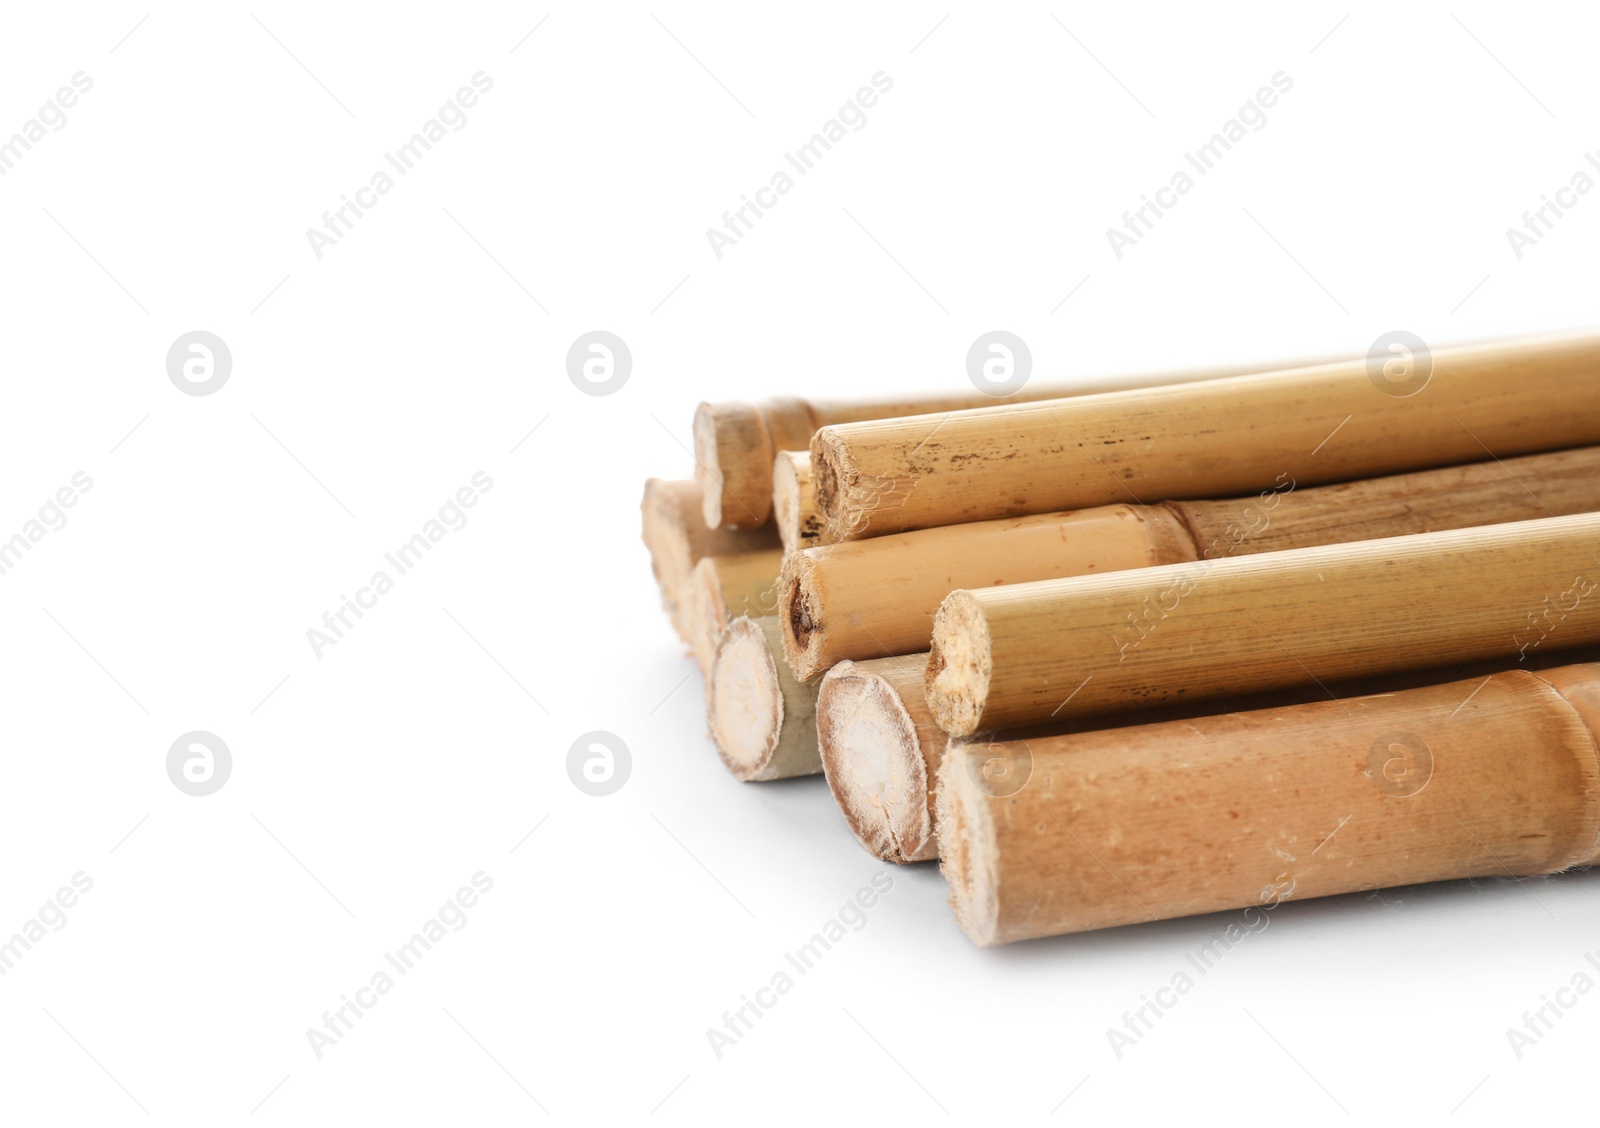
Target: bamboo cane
{"type": "Point", "coordinates": [794, 502]}
{"type": "Point", "coordinates": [735, 443]}
{"type": "Point", "coordinates": [722, 588]}
{"type": "Point", "coordinates": [877, 597]}
{"type": "Point", "coordinates": [1098, 829]}
{"type": "Point", "coordinates": [762, 720]}
{"type": "Point", "coordinates": [676, 536]}
{"type": "Point", "coordinates": [1328, 423]}
{"type": "Point", "coordinates": [1057, 649]}
{"type": "Point", "coordinates": [882, 749]}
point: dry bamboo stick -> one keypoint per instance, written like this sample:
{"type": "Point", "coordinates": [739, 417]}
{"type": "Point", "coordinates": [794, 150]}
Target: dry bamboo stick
{"type": "Point", "coordinates": [762, 720]}
{"type": "Point", "coordinates": [877, 598]}
{"type": "Point", "coordinates": [1243, 811]}
{"type": "Point", "coordinates": [735, 443]}
{"type": "Point", "coordinates": [874, 598]}
{"type": "Point", "coordinates": [794, 502]}
{"type": "Point", "coordinates": [1094, 645]}
{"type": "Point", "coordinates": [676, 535]}
{"type": "Point", "coordinates": [880, 748]}
{"type": "Point", "coordinates": [1312, 425]}
{"type": "Point", "coordinates": [722, 588]}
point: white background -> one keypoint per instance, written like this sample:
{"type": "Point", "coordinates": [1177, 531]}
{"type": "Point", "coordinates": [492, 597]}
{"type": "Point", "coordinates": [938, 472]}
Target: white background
{"type": "Point", "coordinates": [370, 384]}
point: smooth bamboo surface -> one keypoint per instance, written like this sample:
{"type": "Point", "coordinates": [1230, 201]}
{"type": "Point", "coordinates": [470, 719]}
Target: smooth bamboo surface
{"type": "Point", "coordinates": [1474, 778]}
{"type": "Point", "coordinates": [676, 536]}
{"type": "Point", "coordinates": [762, 720]}
{"type": "Point", "coordinates": [735, 443]}
{"type": "Point", "coordinates": [1328, 423]}
{"type": "Point", "coordinates": [877, 597]}
{"type": "Point", "coordinates": [1095, 645]}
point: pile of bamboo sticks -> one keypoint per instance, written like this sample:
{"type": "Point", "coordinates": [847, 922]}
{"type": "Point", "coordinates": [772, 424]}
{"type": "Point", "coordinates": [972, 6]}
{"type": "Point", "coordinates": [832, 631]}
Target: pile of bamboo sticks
{"type": "Point", "coordinates": [1206, 644]}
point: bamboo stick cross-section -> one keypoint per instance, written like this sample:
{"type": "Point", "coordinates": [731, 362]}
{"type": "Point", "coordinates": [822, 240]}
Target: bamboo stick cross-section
{"type": "Point", "coordinates": [762, 720]}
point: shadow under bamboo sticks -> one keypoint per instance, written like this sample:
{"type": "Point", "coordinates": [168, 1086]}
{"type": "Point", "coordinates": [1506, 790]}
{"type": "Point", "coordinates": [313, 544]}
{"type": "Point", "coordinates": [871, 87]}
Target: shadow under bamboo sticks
{"type": "Point", "coordinates": [1246, 810]}
{"type": "Point", "coordinates": [877, 597]}
{"type": "Point", "coordinates": [1180, 633]}
{"type": "Point", "coordinates": [1313, 425]}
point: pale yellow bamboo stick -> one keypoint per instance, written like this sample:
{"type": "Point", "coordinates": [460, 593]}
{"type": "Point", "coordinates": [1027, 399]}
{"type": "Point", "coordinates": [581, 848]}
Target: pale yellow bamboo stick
{"type": "Point", "coordinates": [1095, 645]}
{"type": "Point", "coordinates": [1247, 810]}
{"type": "Point", "coordinates": [874, 598]}
{"type": "Point", "coordinates": [1324, 424]}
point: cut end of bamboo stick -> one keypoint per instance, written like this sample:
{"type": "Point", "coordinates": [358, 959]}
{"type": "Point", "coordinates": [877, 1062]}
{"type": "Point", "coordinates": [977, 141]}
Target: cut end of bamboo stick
{"type": "Point", "coordinates": [872, 755]}
{"type": "Point", "coordinates": [744, 701]}
{"type": "Point", "coordinates": [833, 479]}
{"type": "Point", "coordinates": [799, 611]}
{"type": "Point", "coordinates": [794, 509]}
{"type": "Point", "coordinates": [960, 664]}
{"type": "Point", "coordinates": [733, 463]}
{"type": "Point", "coordinates": [966, 845]}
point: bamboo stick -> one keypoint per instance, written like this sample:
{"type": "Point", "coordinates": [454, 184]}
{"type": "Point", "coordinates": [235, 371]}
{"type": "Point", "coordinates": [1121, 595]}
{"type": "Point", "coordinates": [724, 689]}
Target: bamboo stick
{"type": "Point", "coordinates": [1467, 779]}
{"type": "Point", "coordinates": [1094, 645]}
{"type": "Point", "coordinates": [874, 598]}
{"type": "Point", "coordinates": [880, 748]}
{"type": "Point", "coordinates": [735, 443]}
{"type": "Point", "coordinates": [762, 720]}
{"type": "Point", "coordinates": [722, 588]}
{"type": "Point", "coordinates": [676, 536]}
{"type": "Point", "coordinates": [1321, 424]}
{"type": "Point", "coordinates": [794, 502]}
{"type": "Point", "coordinates": [877, 598]}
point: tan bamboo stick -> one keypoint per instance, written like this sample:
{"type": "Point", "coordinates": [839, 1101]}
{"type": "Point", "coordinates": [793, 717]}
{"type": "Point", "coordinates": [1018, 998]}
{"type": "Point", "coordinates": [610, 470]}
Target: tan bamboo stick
{"type": "Point", "coordinates": [794, 502]}
{"type": "Point", "coordinates": [735, 443]}
{"type": "Point", "coordinates": [762, 720]}
{"type": "Point", "coordinates": [880, 747]}
{"type": "Point", "coordinates": [722, 588]}
{"type": "Point", "coordinates": [1094, 645]}
{"type": "Point", "coordinates": [877, 597]}
{"type": "Point", "coordinates": [1328, 423]}
{"type": "Point", "coordinates": [1243, 811]}
{"type": "Point", "coordinates": [676, 535]}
